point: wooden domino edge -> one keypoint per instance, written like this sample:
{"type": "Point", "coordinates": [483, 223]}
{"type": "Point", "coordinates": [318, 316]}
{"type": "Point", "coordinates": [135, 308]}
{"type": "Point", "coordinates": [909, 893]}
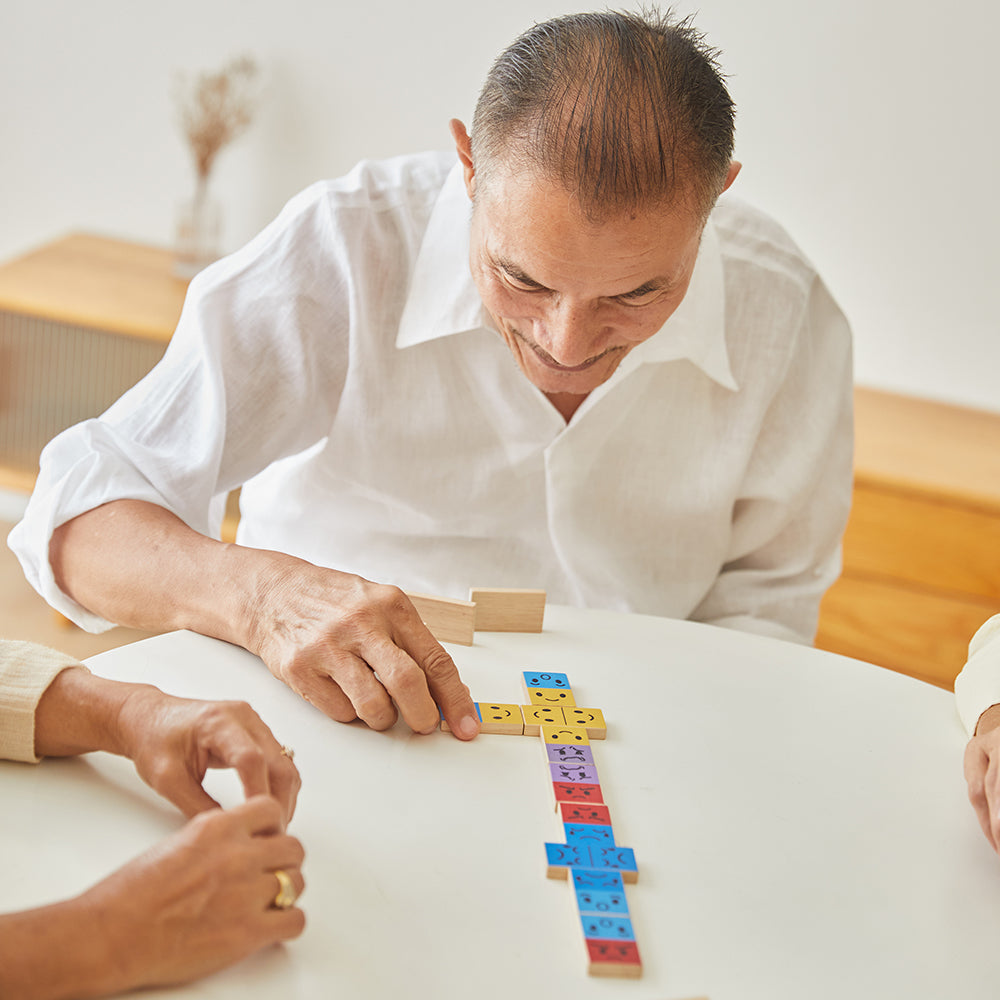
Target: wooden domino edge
{"type": "Point", "coordinates": [447, 619]}
{"type": "Point", "coordinates": [505, 609]}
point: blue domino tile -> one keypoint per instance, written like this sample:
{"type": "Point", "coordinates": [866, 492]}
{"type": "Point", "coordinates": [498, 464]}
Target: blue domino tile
{"type": "Point", "coordinates": [597, 880]}
{"type": "Point", "coordinates": [560, 753]}
{"type": "Point", "coordinates": [601, 901]}
{"type": "Point", "coordinates": [602, 928]}
{"type": "Point", "coordinates": [591, 834]}
{"type": "Point", "coordinates": [568, 855]}
{"type": "Point", "coordinates": [586, 773]}
{"type": "Point", "coordinates": [620, 858]}
{"type": "Point", "coordinates": [533, 679]}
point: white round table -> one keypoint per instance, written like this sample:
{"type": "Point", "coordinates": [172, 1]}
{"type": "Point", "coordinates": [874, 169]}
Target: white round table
{"type": "Point", "coordinates": [799, 820]}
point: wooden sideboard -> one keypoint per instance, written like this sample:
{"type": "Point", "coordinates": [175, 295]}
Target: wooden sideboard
{"type": "Point", "coordinates": [85, 317]}
{"type": "Point", "coordinates": [922, 547]}
{"type": "Point", "coordinates": [81, 320]}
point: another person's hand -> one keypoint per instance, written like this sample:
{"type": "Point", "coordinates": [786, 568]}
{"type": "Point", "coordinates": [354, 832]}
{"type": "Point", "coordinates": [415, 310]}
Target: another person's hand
{"type": "Point", "coordinates": [982, 774]}
{"type": "Point", "coordinates": [357, 650]}
{"type": "Point", "coordinates": [174, 741]}
{"type": "Point", "coordinates": [200, 900]}
{"type": "Point", "coordinates": [203, 898]}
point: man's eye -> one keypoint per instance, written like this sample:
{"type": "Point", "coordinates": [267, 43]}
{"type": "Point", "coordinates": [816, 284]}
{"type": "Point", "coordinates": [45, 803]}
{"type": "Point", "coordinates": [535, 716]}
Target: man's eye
{"type": "Point", "coordinates": [639, 299]}
{"type": "Point", "coordinates": [517, 284]}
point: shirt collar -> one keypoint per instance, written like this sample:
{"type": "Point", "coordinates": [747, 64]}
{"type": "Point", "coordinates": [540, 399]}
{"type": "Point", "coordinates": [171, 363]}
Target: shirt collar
{"type": "Point", "coordinates": [443, 299]}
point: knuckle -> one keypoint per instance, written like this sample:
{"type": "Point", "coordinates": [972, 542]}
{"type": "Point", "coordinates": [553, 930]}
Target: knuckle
{"type": "Point", "coordinates": [439, 666]}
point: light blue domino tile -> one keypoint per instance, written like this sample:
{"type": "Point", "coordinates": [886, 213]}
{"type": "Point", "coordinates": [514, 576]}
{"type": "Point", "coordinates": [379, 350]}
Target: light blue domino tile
{"type": "Point", "coordinates": [596, 926]}
{"type": "Point", "coordinates": [620, 858]}
{"type": "Point", "coordinates": [610, 902]}
{"type": "Point", "coordinates": [567, 855]}
{"type": "Point", "coordinates": [569, 753]}
{"type": "Point", "coordinates": [592, 834]}
{"type": "Point", "coordinates": [534, 679]}
{"type": "Point", "coordinates": [597, 879]}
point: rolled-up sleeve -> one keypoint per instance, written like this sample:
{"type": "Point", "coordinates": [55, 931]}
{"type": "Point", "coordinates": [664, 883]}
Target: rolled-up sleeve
{"type": "Point", "coordinates": [977, 687]}
{"type": "Point", "coordinates": [26, 671]}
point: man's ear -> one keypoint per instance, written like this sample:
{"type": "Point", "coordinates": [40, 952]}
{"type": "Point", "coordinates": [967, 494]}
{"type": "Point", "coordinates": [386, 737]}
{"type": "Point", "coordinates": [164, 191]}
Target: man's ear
{"type": "Point", "coordinates": [734, 168]}
{"type": "Point", "coordinates": [463, 146]}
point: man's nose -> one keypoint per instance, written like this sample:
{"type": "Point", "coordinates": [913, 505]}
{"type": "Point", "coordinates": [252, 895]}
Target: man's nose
{"type": "Point", "coordinates": [570, 333]}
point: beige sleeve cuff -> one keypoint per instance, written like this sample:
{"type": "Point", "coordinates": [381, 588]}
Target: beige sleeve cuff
{"type": "Point", "coordinates": [26, 671]}
{"type": "Point", "coordinates": [977, 687]}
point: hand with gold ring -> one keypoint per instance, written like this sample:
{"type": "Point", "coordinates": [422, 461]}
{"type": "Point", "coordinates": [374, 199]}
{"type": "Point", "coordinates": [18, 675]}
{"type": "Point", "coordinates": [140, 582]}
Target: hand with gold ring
{"type": "Point", "coordinates": [198, 901]}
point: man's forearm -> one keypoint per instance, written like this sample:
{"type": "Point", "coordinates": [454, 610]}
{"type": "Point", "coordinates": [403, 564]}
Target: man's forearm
{"type": "Point", "coordinates": [137, 564]}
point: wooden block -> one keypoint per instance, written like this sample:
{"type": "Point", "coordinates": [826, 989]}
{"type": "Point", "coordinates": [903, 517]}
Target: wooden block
{"type": "Point", "coordinates": [574, 812]}
{"type": "Point", "coordinates": [592, 719]}
{"type": "Point", "coordinates": [551, 696]}
{"type": "Point", "coordinates": [533, 679]}
{"type": "Point", "coordinates": [591, 834]}
{"type": "Point", "coordinates": [619, 959]}
{"type": "Point", "coordinates": [503, 720]}
{"type": "Point", "coordinates": [564, 734]}
{"type": "Point", "coordinates": [447, 619]}
{"type": "Point", "coordinates": [536, 716]}
{"type": "Point", "coordinates": [501, 609]}
{"type": "Point", "coordinates": [569, 791]}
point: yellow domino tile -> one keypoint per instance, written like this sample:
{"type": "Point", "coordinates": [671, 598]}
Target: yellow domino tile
{"type": "Point", "coordinates": [564, 734]}
{"type": "Point", "coordinates": [592, 719]}
{"type": "Point", "coordinates": [504, 720]}
{"type": "Point", "coordinates": [550, 696]}
{"type": "Point", "coordinates": [536, 716]}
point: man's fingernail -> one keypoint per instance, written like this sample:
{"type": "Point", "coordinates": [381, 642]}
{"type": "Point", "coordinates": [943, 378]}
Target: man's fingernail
{"type": "Point", "coordinates": [468, 727]}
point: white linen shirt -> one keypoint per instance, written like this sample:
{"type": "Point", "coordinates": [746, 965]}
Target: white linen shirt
{"type": "Point", "coordinates": [343, 368]}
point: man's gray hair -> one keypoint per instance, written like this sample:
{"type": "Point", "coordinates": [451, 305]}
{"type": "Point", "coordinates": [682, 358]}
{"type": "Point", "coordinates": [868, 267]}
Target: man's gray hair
{"type": "Point", "coordinates": [625, 110]}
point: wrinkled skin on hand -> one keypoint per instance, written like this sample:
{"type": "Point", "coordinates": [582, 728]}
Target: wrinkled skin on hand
{"type": "Point", "coordinates": [357, 650]}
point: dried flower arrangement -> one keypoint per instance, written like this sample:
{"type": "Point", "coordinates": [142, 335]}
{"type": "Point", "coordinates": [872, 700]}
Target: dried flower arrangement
{"type": "Point", "coordinates": [214, 111]}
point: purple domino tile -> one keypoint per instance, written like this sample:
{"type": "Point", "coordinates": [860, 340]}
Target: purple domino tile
{"type": "Point", "coordinates": [569, 753]}
{"type": "Point", "coordinates": [585, 773]}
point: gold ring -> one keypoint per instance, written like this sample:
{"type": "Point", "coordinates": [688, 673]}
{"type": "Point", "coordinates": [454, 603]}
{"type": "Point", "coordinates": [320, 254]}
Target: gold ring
{"type": "Point", "coordinates": [286, 890]}
{"type": "Point", "coordinates": [288, 752]}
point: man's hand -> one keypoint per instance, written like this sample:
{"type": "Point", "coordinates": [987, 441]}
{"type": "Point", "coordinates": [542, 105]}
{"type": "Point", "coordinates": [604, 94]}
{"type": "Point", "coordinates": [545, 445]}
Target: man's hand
{"type": "Point", "coordinates": [357, 650]}
{"type": "Point", "coordinates": [982, 774]}
{"type": "Point", "coordinates": [174, 741]}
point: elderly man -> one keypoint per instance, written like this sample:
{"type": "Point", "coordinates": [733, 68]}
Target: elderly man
{"type": "Point", "coordinates": [554, 362]}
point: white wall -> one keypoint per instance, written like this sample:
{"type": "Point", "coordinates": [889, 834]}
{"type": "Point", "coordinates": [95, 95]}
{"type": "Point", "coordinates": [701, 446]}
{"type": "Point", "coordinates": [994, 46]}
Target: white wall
{"type": "Point", "coordinates": [867, 127]}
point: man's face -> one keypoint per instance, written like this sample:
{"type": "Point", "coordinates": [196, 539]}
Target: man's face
{"type": "Point", "coordinates": [570, 297]}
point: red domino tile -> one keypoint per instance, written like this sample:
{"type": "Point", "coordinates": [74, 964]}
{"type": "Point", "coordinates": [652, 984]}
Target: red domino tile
{"type": "Point", "coordinates": [570, 791]}
{"type": "Point", "coordinates": [584, 812]}
{"type": "Point", "coordinates": [613, 958]}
